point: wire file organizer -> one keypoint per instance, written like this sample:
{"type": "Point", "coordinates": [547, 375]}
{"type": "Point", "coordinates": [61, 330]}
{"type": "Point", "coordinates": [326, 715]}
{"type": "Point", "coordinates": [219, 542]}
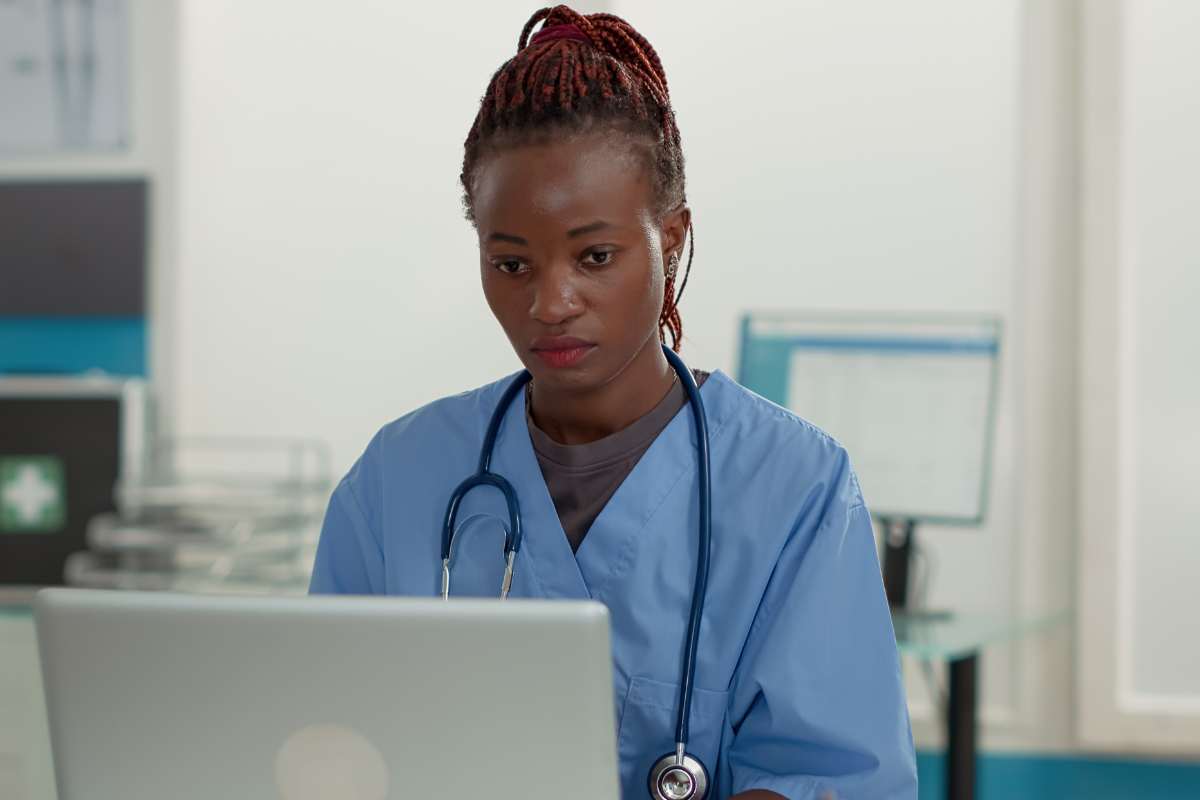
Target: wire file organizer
{"type": "Point", "coordinates": [211, 514]}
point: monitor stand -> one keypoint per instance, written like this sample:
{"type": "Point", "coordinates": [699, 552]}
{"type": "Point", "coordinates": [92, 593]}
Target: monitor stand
{"type": "Point", "coordinates": [899, 535]}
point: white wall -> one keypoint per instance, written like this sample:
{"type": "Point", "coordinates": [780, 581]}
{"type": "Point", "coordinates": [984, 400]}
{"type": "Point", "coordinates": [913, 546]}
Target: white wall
{"type": "Point", "coordinates": [328, 282]}
{"type": "Point", "coordinates": [1161, 177]}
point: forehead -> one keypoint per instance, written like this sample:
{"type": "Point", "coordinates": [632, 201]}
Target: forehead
{"type": "Point", "coordinates": [585, 177]}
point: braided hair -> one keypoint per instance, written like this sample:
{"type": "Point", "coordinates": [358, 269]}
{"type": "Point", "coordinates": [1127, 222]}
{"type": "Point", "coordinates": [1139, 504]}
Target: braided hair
{"type": "Point", "coordinates": [581, 73]}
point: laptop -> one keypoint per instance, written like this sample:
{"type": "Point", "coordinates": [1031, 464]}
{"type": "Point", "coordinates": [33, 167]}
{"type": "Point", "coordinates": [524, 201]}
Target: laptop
{"type": "Point", "coordinates": [312, 698]}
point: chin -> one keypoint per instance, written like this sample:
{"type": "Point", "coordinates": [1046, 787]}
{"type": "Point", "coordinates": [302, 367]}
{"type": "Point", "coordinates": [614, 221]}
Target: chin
{"type": "Point", "coordinates": [572, 379]}
{"type": "Point", "coordinates": [575, 380]}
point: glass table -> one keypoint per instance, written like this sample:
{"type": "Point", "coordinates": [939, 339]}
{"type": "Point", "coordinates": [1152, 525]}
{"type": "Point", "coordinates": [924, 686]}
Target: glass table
{"type": "Point", "coordinates": [958, 639]}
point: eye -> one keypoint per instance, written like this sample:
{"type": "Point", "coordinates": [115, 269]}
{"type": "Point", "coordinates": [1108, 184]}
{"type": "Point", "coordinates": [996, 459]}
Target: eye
{"type": "Point", "coordinates": [598, 258]}
{"type": "Point", "coordinates": [510, 266]}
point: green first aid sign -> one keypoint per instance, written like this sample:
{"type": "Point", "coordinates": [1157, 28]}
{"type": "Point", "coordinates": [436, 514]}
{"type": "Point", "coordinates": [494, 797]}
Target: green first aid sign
{"type": "Point", "coordinates": [33, 496]}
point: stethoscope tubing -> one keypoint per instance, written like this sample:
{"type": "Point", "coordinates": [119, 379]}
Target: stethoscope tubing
{"type": "Point", "coordinates": [485, 477]}
{"type": "Point", "coordinates": [700, 587]}
{"type": "Point", "coordinates": [512, 539]}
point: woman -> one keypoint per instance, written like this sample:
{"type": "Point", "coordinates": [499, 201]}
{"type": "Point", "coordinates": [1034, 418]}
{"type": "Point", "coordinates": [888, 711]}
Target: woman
{"type": "Point", "coordinates": [573, 178]}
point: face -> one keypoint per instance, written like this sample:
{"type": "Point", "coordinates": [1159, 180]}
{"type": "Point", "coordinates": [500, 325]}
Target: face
{"type": "Point", "coordinates": [573, 256]}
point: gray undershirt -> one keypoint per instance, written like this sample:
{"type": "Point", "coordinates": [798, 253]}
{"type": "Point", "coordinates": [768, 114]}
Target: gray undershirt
{"type": "Point", "coordinates": [583, 477]}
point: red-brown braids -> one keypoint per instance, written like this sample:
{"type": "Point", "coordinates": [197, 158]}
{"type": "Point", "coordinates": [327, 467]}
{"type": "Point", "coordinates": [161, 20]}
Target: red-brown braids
{"type": "Point", "coordinates": [581, 73]}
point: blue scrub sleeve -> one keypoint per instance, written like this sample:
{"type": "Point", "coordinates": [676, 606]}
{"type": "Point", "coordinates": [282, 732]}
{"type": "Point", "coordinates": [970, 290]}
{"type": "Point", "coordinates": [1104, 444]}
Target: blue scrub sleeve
{"type": "Point", "coordinates": [349, 554]}
{"type": "Point", "coordinates": [818, 703]}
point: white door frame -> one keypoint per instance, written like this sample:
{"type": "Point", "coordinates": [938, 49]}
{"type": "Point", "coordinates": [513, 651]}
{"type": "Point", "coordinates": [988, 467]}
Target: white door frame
{"type": "Point", "coordinates": [1112, 715]}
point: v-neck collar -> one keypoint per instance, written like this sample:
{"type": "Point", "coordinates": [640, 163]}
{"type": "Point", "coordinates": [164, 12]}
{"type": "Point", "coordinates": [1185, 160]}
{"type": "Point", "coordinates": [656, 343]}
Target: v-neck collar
{"type": "Point", "coordinates": [546, 566]}
{"type": "Point", "coordinates": [614, 447]}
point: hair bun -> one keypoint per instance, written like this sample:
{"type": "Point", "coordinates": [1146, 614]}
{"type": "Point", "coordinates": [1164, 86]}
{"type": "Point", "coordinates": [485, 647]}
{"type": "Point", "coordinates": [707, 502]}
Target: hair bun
{"type": "Point", "coordinates": [608, 33]}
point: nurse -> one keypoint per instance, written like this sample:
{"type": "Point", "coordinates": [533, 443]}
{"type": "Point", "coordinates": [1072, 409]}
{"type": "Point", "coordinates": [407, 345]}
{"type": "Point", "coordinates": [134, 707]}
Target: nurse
{"type": "Point", "coordinates": [573, 178]}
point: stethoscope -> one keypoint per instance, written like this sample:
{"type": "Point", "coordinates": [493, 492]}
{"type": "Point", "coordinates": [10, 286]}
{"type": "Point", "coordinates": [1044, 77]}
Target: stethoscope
{"type": "Point", "coordinates": [677, 775]}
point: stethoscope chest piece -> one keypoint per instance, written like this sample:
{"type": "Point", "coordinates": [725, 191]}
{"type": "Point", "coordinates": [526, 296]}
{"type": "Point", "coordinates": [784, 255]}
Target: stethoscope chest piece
{"type": "Point", "coordinates": [674, 779]}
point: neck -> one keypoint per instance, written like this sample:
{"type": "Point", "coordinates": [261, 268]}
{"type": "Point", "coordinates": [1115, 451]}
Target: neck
{"type": "Point", "coordinates": [580, 417]}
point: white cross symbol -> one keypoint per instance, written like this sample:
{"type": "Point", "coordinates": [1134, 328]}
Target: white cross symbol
{"type": "Point", "coordinates": [30, 493]}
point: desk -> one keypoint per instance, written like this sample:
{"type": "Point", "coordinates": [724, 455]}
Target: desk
{"type": "Point", "coordinates": [26, 771]}
{"type": "Point", "coordinates": [26, 766]}
{"type": "Point", "coordinates": [958, 639]}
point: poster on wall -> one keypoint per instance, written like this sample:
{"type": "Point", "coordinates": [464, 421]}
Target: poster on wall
{"type": "Point", "coordinates": [64, 76]}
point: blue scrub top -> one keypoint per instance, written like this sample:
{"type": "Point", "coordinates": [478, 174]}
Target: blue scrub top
{"type": "Point", "coordinates": [798, 680]}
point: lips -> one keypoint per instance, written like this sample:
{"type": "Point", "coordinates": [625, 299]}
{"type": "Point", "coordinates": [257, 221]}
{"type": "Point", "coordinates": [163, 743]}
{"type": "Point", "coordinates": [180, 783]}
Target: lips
{"type": "Point", "coordinates": [562, 351]}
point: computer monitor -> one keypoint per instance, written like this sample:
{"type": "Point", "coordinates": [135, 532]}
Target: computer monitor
{"type": "Point", "coordinates": [73, 248]}
{"type": "Point", "coordinates": [64, 443]}
{"type": "Point", "coordinates": [912, 398]}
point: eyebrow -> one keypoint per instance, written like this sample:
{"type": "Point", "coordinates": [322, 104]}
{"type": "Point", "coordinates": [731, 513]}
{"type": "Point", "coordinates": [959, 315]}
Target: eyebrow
{"type": "Point", "coordinates": [591, 227]}
{"type": "Point", "coordinates": [598, 225]}
{"type": "Point", "coordinates": [507, 237]}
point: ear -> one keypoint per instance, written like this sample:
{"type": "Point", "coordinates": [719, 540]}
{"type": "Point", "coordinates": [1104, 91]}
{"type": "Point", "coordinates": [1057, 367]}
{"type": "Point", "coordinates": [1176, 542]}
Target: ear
{"type": "Point", "coordinates": [674, 229]}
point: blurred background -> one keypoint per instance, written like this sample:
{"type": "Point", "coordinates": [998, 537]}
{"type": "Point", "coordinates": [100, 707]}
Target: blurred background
{"type": "Point", "coordinates": [232, 247]}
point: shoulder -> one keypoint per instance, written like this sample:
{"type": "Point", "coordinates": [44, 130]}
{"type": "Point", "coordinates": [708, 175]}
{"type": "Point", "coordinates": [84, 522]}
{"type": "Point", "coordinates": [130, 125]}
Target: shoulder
{"type": "Point", "coordinates": [443, 424]}
{"type": "Point", "coordinates": [779, 440]}
{"type": "Point", "coordinates": [462, 415]}
{"type": "Point", "coordinates": [755, 410]}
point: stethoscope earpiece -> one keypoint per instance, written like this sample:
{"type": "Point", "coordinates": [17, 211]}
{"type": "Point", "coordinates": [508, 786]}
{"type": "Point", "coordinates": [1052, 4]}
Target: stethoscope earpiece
{"type": "Point", "coordinates": [672, 778]}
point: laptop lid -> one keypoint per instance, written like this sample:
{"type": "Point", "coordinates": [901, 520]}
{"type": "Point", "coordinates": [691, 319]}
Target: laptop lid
{"type": "Point", "coordinates": [159, 695]}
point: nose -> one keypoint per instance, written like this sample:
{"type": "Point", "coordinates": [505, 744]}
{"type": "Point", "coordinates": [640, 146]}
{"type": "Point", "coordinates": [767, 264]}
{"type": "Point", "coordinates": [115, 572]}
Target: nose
{"type": "Point", "coordinates": [556, 298]}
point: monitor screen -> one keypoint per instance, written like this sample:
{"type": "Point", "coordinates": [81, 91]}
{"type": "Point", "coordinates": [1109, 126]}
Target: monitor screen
{"type": "Point", "coordinates": [73, 248]}
{"type": "Point", "coordinates": [912, 401]}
